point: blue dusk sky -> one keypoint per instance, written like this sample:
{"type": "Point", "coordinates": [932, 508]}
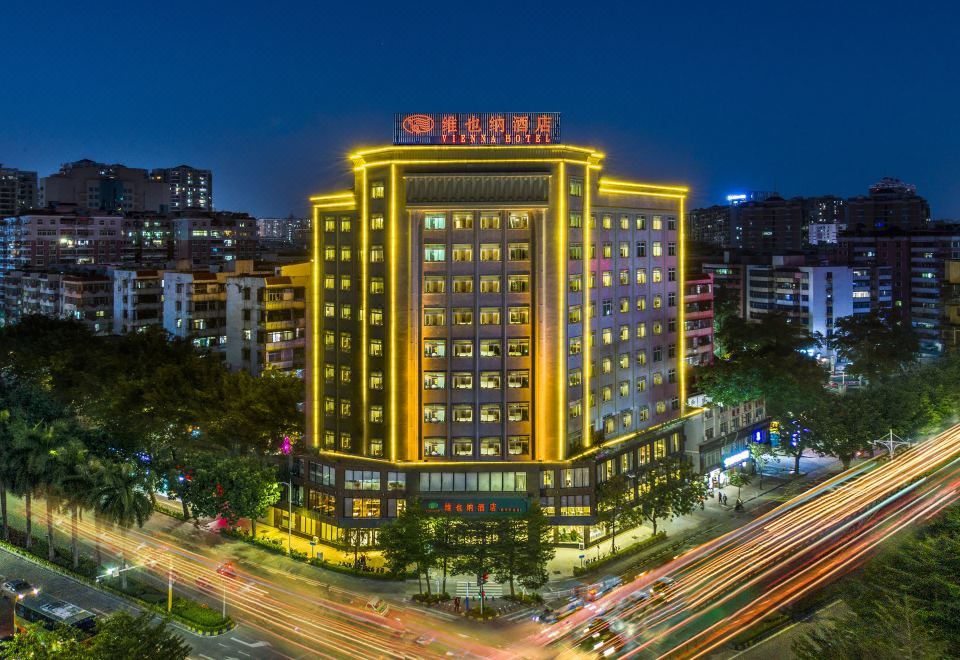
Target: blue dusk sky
{"type": "Point", "coordinates": [802, 97]}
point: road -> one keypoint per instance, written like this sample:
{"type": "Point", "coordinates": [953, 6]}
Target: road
{"type": "Point", "coordinates": [721, 588]}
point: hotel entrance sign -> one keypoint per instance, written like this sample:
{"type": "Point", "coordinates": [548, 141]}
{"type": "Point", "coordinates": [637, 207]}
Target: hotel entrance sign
{"type": "Point", "coordinates": [477, 128]}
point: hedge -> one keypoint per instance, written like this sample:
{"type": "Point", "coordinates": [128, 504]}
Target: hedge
{"type": "Point", "coordinates": [619, 554]}
{"type": "Point", "coordinates": [303, 557]}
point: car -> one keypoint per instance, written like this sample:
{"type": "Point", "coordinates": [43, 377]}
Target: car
{"type": "Point", "coordinates": [203, 584]}
{"type": "Point", "coordinates": [662, 585]}
{"type": "Point", "coordinates": [18, 589]}
{"type": "Point", "coordinates": [227, 570]}
{"type": "Point", "coordinates": [423, 640]}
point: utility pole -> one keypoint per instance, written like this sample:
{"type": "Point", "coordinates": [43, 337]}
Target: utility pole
{"type": "Point", "coordinates": [891, 442]}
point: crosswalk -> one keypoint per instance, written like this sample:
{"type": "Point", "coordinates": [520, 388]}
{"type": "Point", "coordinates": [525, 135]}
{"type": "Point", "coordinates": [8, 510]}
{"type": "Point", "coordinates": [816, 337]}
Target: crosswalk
{"type": "Point", "coordinates": [523, 614]}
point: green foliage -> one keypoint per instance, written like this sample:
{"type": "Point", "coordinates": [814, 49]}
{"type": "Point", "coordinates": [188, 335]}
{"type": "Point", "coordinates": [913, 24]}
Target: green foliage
{"type": "Point", "coordinates": [668, 489]}
{"type": "Point", "coordinates": [231, 487]}
{"type": "Point", "coordinates": [877, 345]}
{"type": "Point", "coordinates": [765, 360]}
{"type": "Point", "coordinates": [905, 604]}
{"type": "Point", "coordinates": [121, 635]}
{"type": "Point", "coordinates": [615, 508]}
{"type": "Point", "coordinates": [405, 542]}
{"type": "Point", "coordinates": [596, 565]}
{"type": "Point", "coordinates": [37, 643]}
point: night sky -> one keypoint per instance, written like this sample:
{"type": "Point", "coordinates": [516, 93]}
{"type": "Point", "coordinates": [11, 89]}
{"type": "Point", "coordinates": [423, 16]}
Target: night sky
{"type": "Point", "coordinates": [801, 97]}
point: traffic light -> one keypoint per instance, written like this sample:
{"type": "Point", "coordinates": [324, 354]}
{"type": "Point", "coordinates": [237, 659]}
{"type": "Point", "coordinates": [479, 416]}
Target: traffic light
{"type": "Point", "coordinates": [486, 578]}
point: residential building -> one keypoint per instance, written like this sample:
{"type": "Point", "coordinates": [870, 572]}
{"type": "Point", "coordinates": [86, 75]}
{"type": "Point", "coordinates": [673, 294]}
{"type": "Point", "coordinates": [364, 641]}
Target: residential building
{"type": "Point", "coordinates": [698, 320]}
{"type": "Point", "coordinates": [890, 205]}
{"type": "Point", "coordinates": [89, 300]}
{"type": "Point", "coordinates": [189, 187]}
{"type": "Point", "coordinates": [917, 260]}
{"type": "Point", "coordinates": [68, 236]}
{"type": "Point", "coordinates": [101, 187]}
{"type": "Point", "coordinates": [719, 437]}
{"type": "Point", "coordinates": [266, 320]}
{"type": "Point", "coordinates": [18, 191]}
{"type": "Point", "coordinates": [148, 239]}
{"type": "Point", "coordinates": [137, 299]}
{"type": "Point", "coordinates": [815, 296]}
{"type": "Point", "coordinates": [206, 239]}
{"type": "Point", "coordinates": [710, 226]}
{"type": "Point", "coordinates": [284, 232]}
{"type": "Point", "coordinates": [729, 280]}
{"type": "Point", "coordinates": [490, 325]}
{"type": "Point", "coordinates": [951, 306]}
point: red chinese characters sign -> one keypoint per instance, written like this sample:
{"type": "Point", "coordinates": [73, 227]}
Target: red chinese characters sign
{"type": "Point", "coordinates": [477, 128]}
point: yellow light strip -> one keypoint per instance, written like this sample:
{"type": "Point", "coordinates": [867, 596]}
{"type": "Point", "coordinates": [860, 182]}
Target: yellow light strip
{"type": "Point", "coordinates": [562, 315]}
{"type": "Point", "coordinates": [639, 193]}
{"type": "Point", "coordinates": [345, 206]}
{"type": "Point", "coordinates": [587, 320]}
{"type": "Point", "coordinates": [467, 161]}
{"type": "Point", "coordinates": [365, 312]}
{"type": "Point", "coordinates": [681, 316]}
{"type": "Point", "coordinates": [604, 182]}
{"type": "Point", "coordinates": [466, 147]}
{"type": "Point", "coordinates": [394, 344]}
{"type": "Point", "coordinates": [332, 196]}
{"type": "Point", "coordinates": [315, 333]}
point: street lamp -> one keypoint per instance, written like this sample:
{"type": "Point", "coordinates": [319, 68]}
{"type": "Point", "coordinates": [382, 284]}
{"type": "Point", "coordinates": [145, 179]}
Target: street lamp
{"type": "Point", "coordinates": [289, 486]}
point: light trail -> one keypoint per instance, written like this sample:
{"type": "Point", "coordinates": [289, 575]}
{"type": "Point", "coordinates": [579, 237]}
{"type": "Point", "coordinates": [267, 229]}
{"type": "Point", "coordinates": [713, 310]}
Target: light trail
{"type": "Point", "coordinates": [724, 586]}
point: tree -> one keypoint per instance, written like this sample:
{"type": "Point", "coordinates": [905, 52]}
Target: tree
{"type": "Point", "coordinates": [507, 549]}
{"type": "Point", "coordinates": [739, 479]}
{"type": "Point", "coordinates": [669, 489]}
{"type": "Point", "coordinates": [38, 643]}
{"type": "Point", "coordinates": [894, 631]}
{"type": "Point", "coordinates": [258, 412]}
{"type": "Point", "coordinates": [796, 438]}
{"type": "Point", "coordinates": [443, 539]}
{"type": "Point", "coordinates": [476, 540]}
{"type": "Point", "coordinates": [615, 508]}
{"type": "Point", "coordinates": [844, 425]}
{"type": "Point", "coordinates": [121, 635]}
{"type": "Point", "coordinates": [760, 455]}
{"type": "Point", "coordinates": [766, 360]}
{"type": "Point", "coordinates": [48, 470]}
{"type": "Point", "coordinates": [538, 549]}
{"type": "Point", "coordinates": [402, 543]}
{"type": "Point", "coordinates": [119, 497]}
{"type": "Point", "coordinates": [877, 344]}
{"type": "Point", "coordinates": [231, 487]}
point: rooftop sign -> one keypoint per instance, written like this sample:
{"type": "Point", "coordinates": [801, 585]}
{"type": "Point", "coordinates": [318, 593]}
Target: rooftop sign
{"type": "Point", "coordinates": [477, 128]}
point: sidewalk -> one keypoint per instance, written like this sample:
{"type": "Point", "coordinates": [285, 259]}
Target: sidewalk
{"type": "Point", "coordinates": [714, 517]}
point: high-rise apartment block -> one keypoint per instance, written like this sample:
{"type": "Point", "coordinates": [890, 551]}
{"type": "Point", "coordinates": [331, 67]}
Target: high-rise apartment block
{"type": "Point", "coordinates": [491, 323]}
{"type": "Point", "coordinates": [102, 187]}
{"type": "Point", "coordinates": [137, 299]}
{"type": "Point", "coordinates": [18, 191]}
{"type": "Point", "coordinates": [189, 187]}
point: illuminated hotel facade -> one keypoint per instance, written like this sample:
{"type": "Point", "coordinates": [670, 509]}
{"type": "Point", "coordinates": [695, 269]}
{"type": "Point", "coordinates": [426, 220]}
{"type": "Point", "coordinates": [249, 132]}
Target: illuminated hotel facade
{"type": "Point", "coordinates": [490, 324]}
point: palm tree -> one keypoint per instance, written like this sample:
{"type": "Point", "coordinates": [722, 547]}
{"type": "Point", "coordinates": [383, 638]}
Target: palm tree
{"type": "Point", "coordinates": [18, 468]}
{"type": "Point", "coordinates": [49, 471]}
{"type": "Point", "coordinates": [119, 497]}
{"type": "Point", "coordinates": [6, 444]}
{"type": "Point", "coordinates": [77, 481]}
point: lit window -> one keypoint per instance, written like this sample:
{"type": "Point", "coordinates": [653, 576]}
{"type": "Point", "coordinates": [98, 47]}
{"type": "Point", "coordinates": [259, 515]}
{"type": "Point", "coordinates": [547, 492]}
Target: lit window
{"type": "Point", "coordinates": [376, 190]}
{"type": "Point", "coordinates": [489, 221]}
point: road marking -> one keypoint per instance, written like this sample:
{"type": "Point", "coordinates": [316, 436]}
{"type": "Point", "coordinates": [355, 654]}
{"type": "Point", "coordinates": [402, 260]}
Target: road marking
{"type": "Point", "coordinates": [253, 645]}
{"type": "Point", "coordinates": [223, 645]}
{"type": "Point", "coordinates": [244, 653]}
{"type": "Point", "coordinates": [207, 657]}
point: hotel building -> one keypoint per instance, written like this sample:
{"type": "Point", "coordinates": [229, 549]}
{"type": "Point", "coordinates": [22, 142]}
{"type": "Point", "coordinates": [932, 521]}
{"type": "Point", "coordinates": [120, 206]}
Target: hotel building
{"type": "Point", "coordinates": [493, 321]}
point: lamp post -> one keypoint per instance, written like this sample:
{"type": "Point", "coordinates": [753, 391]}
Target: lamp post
{"type": "Point", "coordinates": [289, 485]}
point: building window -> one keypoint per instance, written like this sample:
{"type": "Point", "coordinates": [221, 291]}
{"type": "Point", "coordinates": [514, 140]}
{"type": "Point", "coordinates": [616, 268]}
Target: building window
{"type": "Point", "coordinates": [518, 378]}
{"type": "Point", "coordinates": [489, 284]}
{"type": "Point", "coordinates": [576, 345]}
{"type": "Point", "coordinates": [462, 253]}
{"type": "Point", "coordinates": [490, 380]}
{"type": "Point", "coordinates": [463, 221]}
{"type": "Point", "coordinates": [462, 348]}
{"type": "Point", "coordinates": [490, 221]}
{"type": "Point", "coordinates": [518, 315]}
{"type": "Point", "coordinates": [434, 317]}
{"type": "Point", "coordinates": [434, 252]}
{"type": "Point", "coordinates": [434, 285]}
{"type": "Point", "coordinates": [434, 413]}
{"type": "Point", "coordinates": [518, 347]}
{"type": "Point", "coordinates": [576, 221]}
{"type": "Point", "coordinates": [434, 348]}
{"type": "Point", "coordinates": [489, 252]}
{"type": "Point", "coordinates": [434, 447]}
{"type": "Point", "coordinates": [376, 190]}
{"type": "Point", "coordinates": [489, 446]}
{"type": "Point", "coordinates": [376, 317]}
{"type": "Point", "coordinates": [518, 251]}
{"type": "Point", "coordinates": [376, 348]}
{"type": "Point", "coordinates": [489, 316]}
{"type": "Point", "coordinates": [517, 283]}
{"type": "Point", "coordinates": [462, 447]}
{"type": "Point", "coordinates": [518, 445]}
{"type": "Point", "coordinates": [376, 414]}
{"type": "Point", "coordinates": [434, 380]}
{"type": "Point", "coordinates": [376, 222]}
{"type": "Point", "coordinates": [463, 316]}
{"type": "Point", "coordinates": [376, 380]}
{"type": "Point", "coordinates": [641, 276]}
{"type": "Point", "coordinates": [518, 221]}
{"type": "Point", "coordinates": [463, 414]}
{"type": "Point", "coordinates": [462, 380]}
{"type": "Point", "coordinates": [376, 285]}
{"type": "Point", "coordinates": [490, 348]}
{"type": "Point", "coordinates": [463, 284]}
{"type": "Point", "coordinates": [576, 188]}
{"type": "Point", "coordinates": [490, 413]}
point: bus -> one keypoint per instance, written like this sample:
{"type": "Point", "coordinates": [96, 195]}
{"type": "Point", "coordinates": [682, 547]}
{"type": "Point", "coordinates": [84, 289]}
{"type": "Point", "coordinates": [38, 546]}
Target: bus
{"type": "Point", "coordinates": [50, 613]}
